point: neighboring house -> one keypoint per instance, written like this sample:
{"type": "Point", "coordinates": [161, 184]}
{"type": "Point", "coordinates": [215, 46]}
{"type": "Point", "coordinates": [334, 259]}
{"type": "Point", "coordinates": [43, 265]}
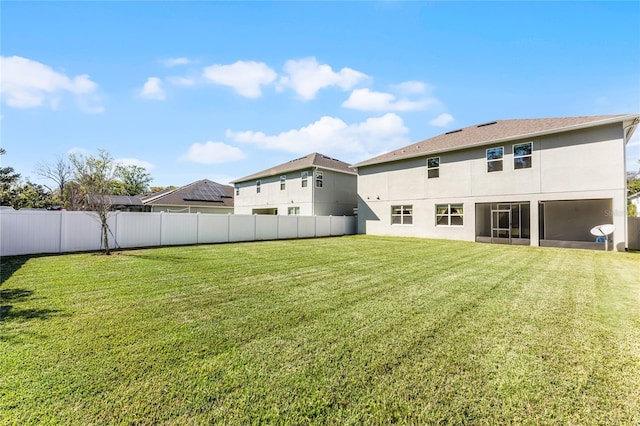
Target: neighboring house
{"type": "Point", "coordinates": [635, 200]}
{"type": "Point", "coordinates": [314, 185]}
{"type": "Point", "coordinates": [532, 182]}
{"type": "Point", "coordinates": [127, 203]}
{"type": "Point", "coordinates": [203, 196]}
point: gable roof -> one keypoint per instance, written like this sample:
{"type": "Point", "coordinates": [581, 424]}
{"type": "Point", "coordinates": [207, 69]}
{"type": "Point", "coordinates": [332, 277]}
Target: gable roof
{"type": "Point", "coordinates": [200, 193]}
{"type": "Point", "coordinates": [495, 132]}
{"type": "Point", "coordinates": [312, 160]}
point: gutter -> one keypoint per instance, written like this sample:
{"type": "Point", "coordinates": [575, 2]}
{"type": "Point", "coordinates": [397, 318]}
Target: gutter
{"type": "Point", "coordinates": [507, 139]}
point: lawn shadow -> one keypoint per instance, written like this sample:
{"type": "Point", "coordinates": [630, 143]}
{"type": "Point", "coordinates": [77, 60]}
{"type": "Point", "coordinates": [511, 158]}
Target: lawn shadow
{"type": "Point", "coordinates": [10, 296]}
{"type": "Point", "coordinates": [9, 265]}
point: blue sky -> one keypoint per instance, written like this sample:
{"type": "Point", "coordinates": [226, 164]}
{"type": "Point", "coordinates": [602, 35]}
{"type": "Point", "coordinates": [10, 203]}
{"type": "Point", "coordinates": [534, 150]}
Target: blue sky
{"type": "Point", "coordinates": [195, 90]}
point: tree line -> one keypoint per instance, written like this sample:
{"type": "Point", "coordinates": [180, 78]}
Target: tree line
{"type": "Point", "coordinates": [79, 182]}
{"type": "Point", "coordinates": [74, 180]}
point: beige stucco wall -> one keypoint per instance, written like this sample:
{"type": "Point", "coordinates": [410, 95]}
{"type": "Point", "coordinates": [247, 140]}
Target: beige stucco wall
{"type": "Point", "coordinates": [583, 164]}
{"type": "Point", "coordinates": [337, 197]}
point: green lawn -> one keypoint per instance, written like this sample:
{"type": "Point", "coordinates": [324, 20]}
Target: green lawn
{"type": "Point", "coordinates": [346, 330]}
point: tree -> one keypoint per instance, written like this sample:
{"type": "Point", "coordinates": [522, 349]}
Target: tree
{"type": "Point", "coordinates": [633, 182]}
{"type": "Point", "coordinates": [8, 178]}
{"type": "Point", "coordinates": [33, 196]}
{"type": "Point", "coordinates": [136, 179]}
{"type": "Point", "coordinates": [162, 188]}
{"type": "Point", "coordinates": [95, 176]}
{"type": "Point", "coordinates": [60, 172]}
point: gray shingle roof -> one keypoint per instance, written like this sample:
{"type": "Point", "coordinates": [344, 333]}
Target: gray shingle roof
{"type": "Point", "coordinates": [200, 193]}
{"type": "Point", "coordinates": [494, 132]}
{"type": "Point", "coordinates": [312, 160]}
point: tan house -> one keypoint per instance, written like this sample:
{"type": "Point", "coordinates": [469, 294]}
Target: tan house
{"type": "Point", "coordinates": [533, 182]}
{"type": "Point", "coordinates": [203, 196]}
{"type": "Point", "coordinates": [314, 185]}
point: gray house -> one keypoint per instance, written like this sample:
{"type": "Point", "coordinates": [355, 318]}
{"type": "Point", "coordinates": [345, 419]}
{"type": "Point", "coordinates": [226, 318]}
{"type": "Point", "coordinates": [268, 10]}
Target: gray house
{"type": "Point", "coordinates": [532, 182]}
{"type": "Point", "coordinates": [311, 185]}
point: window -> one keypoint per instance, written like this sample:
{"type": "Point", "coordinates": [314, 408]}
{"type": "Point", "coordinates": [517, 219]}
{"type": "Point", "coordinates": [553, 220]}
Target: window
{"type": "Point", "coordinates": [522, 155]}
{"type": "Point", "coordinates": [257, 187]}
{"type": "Point", "coordinates": [304, 176]}
{"type": "Point", "coordinates": [294, 210]}
{"type": "Point", "coordinates": [401, 215]}
{"type": "Point", "coordinates": [449, 215]}
{"type": "Point", "coordinates": [494, 159]}
{"type": "Point", "coordinates": [433, 167]}
{"type": "Point", "coordinates": [283, 182]}
{"type": "Point", "coordinates": [319, 182]}
{"type": "Point", "coordinates": [237, 190]}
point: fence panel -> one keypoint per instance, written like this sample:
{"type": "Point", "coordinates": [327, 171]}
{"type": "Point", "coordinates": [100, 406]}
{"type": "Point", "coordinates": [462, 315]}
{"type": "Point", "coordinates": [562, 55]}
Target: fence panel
{"type": "Point", "coordinates": [179, 229]}
{"type": "Point", "coordinates": [287, 227]}
{"type": "Point", "coordinates": [266, 227]}
{"type": "Point", "coordinates": [213, 228]}
{"type": "Point", "coordinates": [28, 232]}
{"type": "Point", "coordinates": [306, 226]}
{"type": "Point", "coordinates": [323, 226]}
{"type": "Point", "coordinates": [138, 229]}
{"type": "Point", "coordinates": [242, 228]}
{"type": "Point", "coordinates": [81, 231]}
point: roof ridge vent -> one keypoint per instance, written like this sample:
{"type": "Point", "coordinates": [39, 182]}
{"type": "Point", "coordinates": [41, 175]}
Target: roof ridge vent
{"type": "Point", "coordinates": [453, 131]}
{"type": "Point", "coordinates": [486, 124]}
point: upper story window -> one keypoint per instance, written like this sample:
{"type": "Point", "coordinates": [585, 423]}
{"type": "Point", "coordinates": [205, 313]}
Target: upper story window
{"type": "Point", "coordinates": [303, 178]}
{"type": "Point", "coordinates": [449, 215]}
{"type": "Point", "coordinates": [522, 155]}
{"type": "Point", "coordinates": [319, 182]}
{"type": "Point", "coordinates": [283, 182]}
{"type": "Point", "coordinates": [237, 190]}
{"type": "Point", "coordinates": [293, 211]}
{"type": "Point", "coordinates": [258, 187]}
{"type": "Point", "coordinates": [401, 215]}
{"type": "Point", "coordinates": [494, 159]}
{"type": "Point", "coordinates": [433, 167]}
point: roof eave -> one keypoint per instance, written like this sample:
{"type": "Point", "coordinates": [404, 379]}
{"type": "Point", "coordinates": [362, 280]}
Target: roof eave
{"type": "Point", "coordinates": [603, 122]}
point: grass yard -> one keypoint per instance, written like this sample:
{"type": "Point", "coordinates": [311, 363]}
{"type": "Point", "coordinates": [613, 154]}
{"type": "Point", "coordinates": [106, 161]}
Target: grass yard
{"type": "Point", "coordinates": [350, 330]}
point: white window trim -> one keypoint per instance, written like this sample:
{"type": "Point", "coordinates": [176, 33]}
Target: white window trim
{"type": "Point", "coordinates": [448, 215]}
{"type": "Point", "coordinates": [402, 216]}
{"type": "Point", "coordinates": [522, 156]}
{"type": "Point", "coordinates": [258, 185]}
{"type": "Point", "coordinates": [318, 177]}
{"type": "Point", "coordinates": [433, 168]}
{"type": "Point", "coordinates": [283, 183]}
{"type": "Point", "coordinates": [495, 160]}
{"type": "Point", "coordinates": [303, 179]}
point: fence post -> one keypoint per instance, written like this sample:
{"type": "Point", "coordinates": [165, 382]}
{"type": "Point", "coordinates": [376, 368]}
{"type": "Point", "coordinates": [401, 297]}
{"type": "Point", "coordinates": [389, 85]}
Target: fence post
{"type": "Point", "coordinates": [60, 233]}
{"type": "Point", "coordinates": [197, 227]}
{"type": "Point", "coordinates": [161, 216]}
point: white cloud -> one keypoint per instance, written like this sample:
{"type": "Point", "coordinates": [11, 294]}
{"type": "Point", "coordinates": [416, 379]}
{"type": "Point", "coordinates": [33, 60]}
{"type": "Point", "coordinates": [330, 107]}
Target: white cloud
{"type": "Point", "coordinates": [411, 87]}
{"type": "Point", "coordinates": [134, 162]}
{"type": "Point", "coordinates": [172, 62]}
{"type": "Point", "coordinates": [306, 77]}
{"type": "Point", "coordinates": [333, 136]}
{"type": "Point", "coordinates": [182, 81]}
{"type": "Point", "coordinates": [152, 89]}
{"type": "Point", "coordinates": [442, 120]}
{"type": "Point", "coordinates": [366, 100]}
{"type": "Point", "coordinates": [213, 153]}
{"type": "Point", "coordinates": [29, 84]}
{"type": "Point", "coordinates": [246, 78]}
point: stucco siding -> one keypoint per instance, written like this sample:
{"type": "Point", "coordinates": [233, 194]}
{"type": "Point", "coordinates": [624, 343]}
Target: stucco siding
{"type": "Point", "coordinates": [584, 164]}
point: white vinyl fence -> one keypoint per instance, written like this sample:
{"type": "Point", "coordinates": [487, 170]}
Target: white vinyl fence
{"type": "Point", "coordinates": [33, 232]}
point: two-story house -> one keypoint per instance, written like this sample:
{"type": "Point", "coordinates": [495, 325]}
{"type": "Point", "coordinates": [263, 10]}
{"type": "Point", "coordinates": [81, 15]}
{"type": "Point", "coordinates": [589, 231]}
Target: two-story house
{"type": "Point", "coordinates": [314, 185]}
{"type": "Point", "coordinates": [531, 181]}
